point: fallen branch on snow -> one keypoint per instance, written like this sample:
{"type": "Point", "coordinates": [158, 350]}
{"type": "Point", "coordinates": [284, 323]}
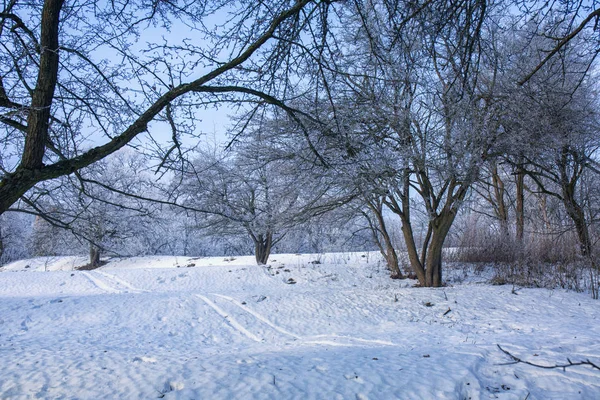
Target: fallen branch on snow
{"type": "Point", "coordinates": [517, 360]}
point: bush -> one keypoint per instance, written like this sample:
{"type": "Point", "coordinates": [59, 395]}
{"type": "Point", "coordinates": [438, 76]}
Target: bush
{"type": "Point", "coordinates": [541, 260]}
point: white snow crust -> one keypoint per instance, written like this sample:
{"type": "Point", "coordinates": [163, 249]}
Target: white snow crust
{"type": "Point", "coordinates": [223, 328]}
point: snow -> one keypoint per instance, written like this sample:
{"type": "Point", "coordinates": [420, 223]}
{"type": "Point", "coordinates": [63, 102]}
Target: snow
{"type": "Point", "coordinates": [160, 327]}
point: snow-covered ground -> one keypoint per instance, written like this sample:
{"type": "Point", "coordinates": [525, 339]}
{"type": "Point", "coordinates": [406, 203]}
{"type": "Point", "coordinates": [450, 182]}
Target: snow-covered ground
{"type": "Point", "coordinates": [309, 327]}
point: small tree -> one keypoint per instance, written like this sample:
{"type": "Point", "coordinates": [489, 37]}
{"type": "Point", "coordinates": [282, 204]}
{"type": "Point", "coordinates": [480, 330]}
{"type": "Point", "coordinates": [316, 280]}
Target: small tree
{"type": "Point", "coordinates": [80, 208]}
{"type": "Point", "coordinates": [251, 191]}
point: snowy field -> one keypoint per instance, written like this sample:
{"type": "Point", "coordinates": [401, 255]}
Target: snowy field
{"type": "Point", "coordinates": [309, 327]}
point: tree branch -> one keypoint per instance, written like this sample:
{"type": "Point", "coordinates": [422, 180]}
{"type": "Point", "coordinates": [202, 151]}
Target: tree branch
{"type": "Point", "coordinates": [570, 363]}
{"type": "Point", "coordinates": [560, 45]}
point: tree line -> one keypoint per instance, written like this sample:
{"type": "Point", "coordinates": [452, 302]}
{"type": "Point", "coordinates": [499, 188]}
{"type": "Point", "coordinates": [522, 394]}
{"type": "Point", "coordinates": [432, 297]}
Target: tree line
{"type": "Point", "coordinates": [368, 115]}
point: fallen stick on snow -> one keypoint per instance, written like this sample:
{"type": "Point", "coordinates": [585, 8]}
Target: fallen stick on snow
{"type": "Point", "coordinates": [517, 360]}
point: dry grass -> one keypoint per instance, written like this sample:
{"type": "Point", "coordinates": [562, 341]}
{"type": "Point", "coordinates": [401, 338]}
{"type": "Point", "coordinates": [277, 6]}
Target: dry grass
{"type": "Point", "coordinates": [550, 261]}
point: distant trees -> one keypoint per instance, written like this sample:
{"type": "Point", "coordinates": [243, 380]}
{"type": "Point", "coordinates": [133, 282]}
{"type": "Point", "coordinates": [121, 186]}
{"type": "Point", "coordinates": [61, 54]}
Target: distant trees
{"type": "Point", "coordinates": [258, 190]}
{"type": "Point", "coordinates": [94, 213]}
{"type": "Point", "coordinates": [235, 201]}
{"type": "Point", "coordinates": [551, 127]}
{"type": "Point", "coordinates": [15, 234]}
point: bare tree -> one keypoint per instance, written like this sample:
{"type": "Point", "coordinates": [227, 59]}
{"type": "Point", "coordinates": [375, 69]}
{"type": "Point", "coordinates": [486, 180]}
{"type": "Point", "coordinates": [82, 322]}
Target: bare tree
{"type": "Point", "coordinates": [78, 208]}
{"type": "Point", "coordinates": [78, 70]}
{"type": "Point", "coordinates": [553, 129]}
{"type": "Point", "coordinates": [416, 99]}
{"type": "Point", "coordinates": [251, 190]}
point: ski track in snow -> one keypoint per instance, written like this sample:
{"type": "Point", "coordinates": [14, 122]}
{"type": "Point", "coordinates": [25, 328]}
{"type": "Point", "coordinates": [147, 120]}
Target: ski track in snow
{"type": "Point", "coordinates": [110, 283]}
{"type": "Point", "coordinates": [353, 341]}
{"type": "Point", "coordinates": [258, 316]}
{"type": "Point", "coordinates": [330, 340]}
{"type": "Point", "coordinates": [100, 284]}
{"type": "Point", "coordinates": [230, 320]}
{"type": "Point", "coordinates": [122, 282]}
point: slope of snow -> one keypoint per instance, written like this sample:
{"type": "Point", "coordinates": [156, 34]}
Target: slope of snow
{"type": "Point", "coordinates": [222, 328]}
{"type": "Point", "coordinates": [46, 264]}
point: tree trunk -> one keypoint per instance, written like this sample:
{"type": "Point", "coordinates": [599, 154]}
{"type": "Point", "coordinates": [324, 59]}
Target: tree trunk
{"type": "Point", "coordinates": [544, 211]}
{"type": "Point", "coordinates": [575, 212]}
{"type": "Point", "coordinates": [391, 259]}
{"type": "Point", "coordinates": [501, 209]}
{"type": "Point", "coordinates": [568, 183]}
{"type": "Point", "coordinates": [407, 230]}
{"type": "Point", "coordinates": [433, 264]}
{"type": "Point", "coordinates": [520, 207]}
{"type": "Point", "coordinates": [94, 256]}
{"type": "Point", "coordinates": [38, 118]}
{"type": "Point", "coordinates": [1, 245]}
{"type": "Point", "coordinates": [14, 185]}
{"type": "Point", "coordinates": [428, 271]}
{"type": "Point", "coordinates": [411, 248]}
{"type": "Point", "coordinates": [428, 268]}
{"type": "Point", "coordinates": [387, 249]}
{"type": "Point", "coordinates": [262, 248]}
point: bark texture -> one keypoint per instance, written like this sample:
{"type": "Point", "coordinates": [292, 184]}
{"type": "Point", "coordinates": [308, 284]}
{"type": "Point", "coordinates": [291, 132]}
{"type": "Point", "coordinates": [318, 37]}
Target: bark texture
{"type": "Point", "coordinates": [262, 247]}
{"type": "Point", "coordinates": [520, 205]}
{"type": "Point", "coordinates": [382, 238]}
{"type": "Point", "coordinates": [38, 119]}
{"type": "Point", "coordinates": [94, 257]}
